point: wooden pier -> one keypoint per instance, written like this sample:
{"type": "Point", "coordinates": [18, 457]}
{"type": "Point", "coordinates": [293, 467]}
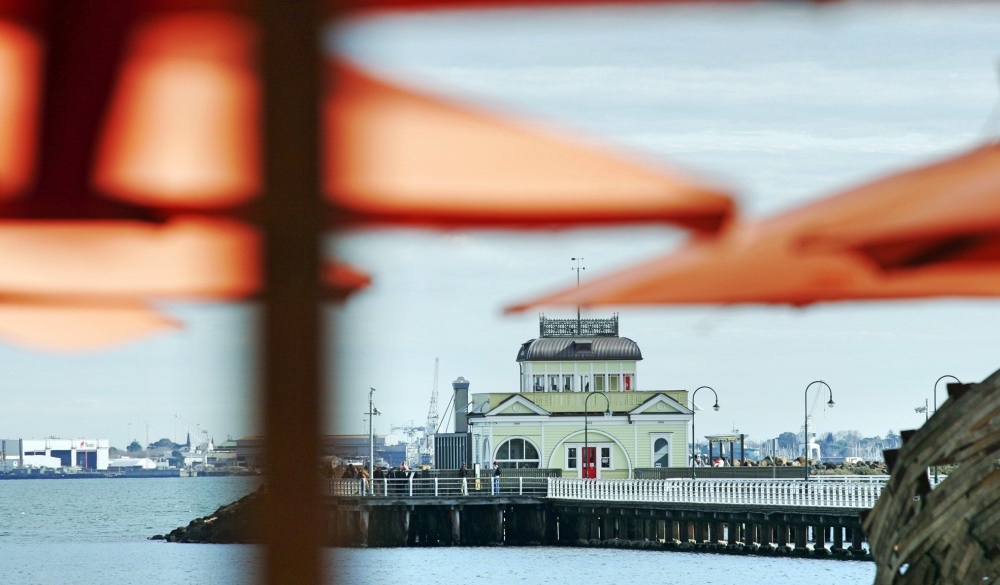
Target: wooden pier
{"type": "Point", "coordinates": [365, 521]}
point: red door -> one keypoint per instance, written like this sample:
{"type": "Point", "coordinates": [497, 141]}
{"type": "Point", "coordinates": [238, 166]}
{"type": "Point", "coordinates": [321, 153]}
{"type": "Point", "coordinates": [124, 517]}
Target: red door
{"type": "Point", "coordinates": [590, 463]}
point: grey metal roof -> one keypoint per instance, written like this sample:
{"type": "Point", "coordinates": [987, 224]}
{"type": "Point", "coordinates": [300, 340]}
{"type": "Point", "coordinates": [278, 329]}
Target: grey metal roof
{"type": "Point", "coordinates": [579, 349]}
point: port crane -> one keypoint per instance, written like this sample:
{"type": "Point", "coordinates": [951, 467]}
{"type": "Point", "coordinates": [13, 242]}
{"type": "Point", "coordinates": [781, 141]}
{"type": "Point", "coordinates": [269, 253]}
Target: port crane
{"type": "Point", "coordinates": [412, 443]}
{"type": "Point", "coordinates": [433, 420]}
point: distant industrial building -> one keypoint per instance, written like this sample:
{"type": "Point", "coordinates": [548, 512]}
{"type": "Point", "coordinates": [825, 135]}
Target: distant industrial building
{"type": "Point", "coordinates": [347, 448]}
{"type": "Point", "coordinates": [132, 463]}
{"type": "Point", "coordinates": [87, 454]}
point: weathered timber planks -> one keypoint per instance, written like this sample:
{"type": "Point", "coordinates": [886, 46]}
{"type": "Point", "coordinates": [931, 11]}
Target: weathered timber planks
{"type": "Point", "coordinates": [951, 534]}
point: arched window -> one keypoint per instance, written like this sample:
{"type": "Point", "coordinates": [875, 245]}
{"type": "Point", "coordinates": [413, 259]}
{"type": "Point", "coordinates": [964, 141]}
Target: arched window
{"type": "Point", "coordinates": [517, 453]}
{"type": "Point", "coordinates": [661, 452]}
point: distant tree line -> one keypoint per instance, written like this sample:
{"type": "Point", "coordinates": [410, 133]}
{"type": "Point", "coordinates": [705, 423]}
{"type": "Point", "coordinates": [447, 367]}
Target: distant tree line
{"type": "Point", "coordinates": [833, 446]}
{"type": "Point", "coordinates": [162, 448]}
{"type": "Point", "coordinates": [842, 444]}
{"type": "Point", "coordinates": [163, 444]}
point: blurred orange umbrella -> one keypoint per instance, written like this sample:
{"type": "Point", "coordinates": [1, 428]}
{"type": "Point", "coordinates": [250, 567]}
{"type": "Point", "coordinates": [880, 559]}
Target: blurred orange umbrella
{"type": "Point", "coordinates": [763, 263]}
{"type": "Point", "coordinates": [20, 59]}
{"type": "Point", "coordinates": [399, 156]}
{"type": "Point", "coordinates": [944, 212]}
{"type": "Point", "coordinates": [188, 257]}
{"type": "Point", "coordinates": [342, 279]}
{"type": "Point", "coordinates": [179, 133]}
{"type": "Point", "coordinates": [182, 125]}
{"type": "Point", "coordinates": [168, 112]}
{"type": "Point", "coordinates": [61, 323]}
{"type": "Point", "coordinates": [75, 285]}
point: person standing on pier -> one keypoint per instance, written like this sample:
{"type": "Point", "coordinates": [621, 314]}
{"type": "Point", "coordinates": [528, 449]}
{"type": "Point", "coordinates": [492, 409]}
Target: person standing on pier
{"type": "Point", "coordinates": [496, 478]}
{"type": "Point", "coordinates": [463, 473]}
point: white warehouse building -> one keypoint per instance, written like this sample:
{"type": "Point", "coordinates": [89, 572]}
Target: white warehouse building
{"type": "Point", "coordinates": [80, 453]}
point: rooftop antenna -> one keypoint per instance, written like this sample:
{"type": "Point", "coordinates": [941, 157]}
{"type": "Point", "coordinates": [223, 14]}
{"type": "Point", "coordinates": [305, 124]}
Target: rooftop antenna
{"type": "Point", "coordinates": [578, 268]}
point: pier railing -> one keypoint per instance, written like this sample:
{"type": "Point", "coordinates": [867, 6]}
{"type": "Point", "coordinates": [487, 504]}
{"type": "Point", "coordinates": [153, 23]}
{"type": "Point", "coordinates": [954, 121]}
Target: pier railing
{"type": "Point", "coordinates": [438, 487]}
{"type": "Point", "coordinates": [839, 493]}
{"type": "Point", "coordinates": [822, 492]}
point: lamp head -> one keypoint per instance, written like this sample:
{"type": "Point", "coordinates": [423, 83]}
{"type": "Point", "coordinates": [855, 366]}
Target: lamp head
{"type": "Point", "coordinates": [830, 403]}
{"type": "Point", "coordinates": [607, 413]}
{"type": "Point", "coordinates": [716, 407]}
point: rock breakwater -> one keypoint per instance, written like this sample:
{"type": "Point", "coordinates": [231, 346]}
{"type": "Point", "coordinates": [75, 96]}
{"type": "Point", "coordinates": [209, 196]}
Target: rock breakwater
{"type": "Point", "coordinates": [234, 523]}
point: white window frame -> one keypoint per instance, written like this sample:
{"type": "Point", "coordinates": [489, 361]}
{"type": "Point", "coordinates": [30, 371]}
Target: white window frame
{"type": "Point", "coordinates": [518, 462]}
{"type": "Point", "coordinates": [575, 457]}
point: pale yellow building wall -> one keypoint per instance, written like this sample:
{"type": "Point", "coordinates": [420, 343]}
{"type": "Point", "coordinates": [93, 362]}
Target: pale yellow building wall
{"type": "Point", "coordinates": [633, 438]}
{"type": "Point", "coordinates": [636, 440]}
{"type": "Point", "coordinates": [678, 443]}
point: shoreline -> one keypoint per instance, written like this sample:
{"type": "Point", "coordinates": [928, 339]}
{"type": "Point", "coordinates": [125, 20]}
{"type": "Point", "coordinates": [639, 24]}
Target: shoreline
{"type": "Point", "coordinates": [145, 474]}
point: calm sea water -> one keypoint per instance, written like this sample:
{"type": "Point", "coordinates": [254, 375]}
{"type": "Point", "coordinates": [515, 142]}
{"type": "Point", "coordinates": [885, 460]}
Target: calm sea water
{"type": "Point", "coordinates": [94, 532]}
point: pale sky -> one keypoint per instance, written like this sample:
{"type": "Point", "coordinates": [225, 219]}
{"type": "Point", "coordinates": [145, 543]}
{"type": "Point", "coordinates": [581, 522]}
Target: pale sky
{"type": "Point", "coordinates": [783, 103]}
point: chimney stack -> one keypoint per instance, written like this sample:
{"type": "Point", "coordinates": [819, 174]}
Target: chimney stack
{"type": "Point", "coordinates": [461, 387]}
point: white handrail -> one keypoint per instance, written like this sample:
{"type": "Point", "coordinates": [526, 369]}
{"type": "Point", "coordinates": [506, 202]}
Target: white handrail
{"type": "Point", "coordinates": [761, 492]}
{"type": "Point", "coordinates": [819, 493]}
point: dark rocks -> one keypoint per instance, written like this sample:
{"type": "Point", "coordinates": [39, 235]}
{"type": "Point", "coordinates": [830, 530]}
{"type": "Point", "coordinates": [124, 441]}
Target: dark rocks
{"type": "Point", "coordinates": [234, 523]}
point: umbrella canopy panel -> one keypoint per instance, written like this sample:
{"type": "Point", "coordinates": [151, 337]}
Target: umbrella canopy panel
{"type": "Point", "coordinates": [20, 59]}
{"type": "Point", "coordinates": [947, 211]}
{"type": "Point", "coordinates": [762, 263]}
{"type": "Point", "coordinates": [72, 324]}
{"type": "Point", "coordinates": [399, 156]}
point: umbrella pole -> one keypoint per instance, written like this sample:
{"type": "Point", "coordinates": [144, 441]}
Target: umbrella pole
{"type": "Point", "coordinates": [292, 398]}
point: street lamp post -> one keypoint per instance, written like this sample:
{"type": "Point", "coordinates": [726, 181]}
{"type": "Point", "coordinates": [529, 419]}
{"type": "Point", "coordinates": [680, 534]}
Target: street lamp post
{"type": "Point", "coordinates": [372, 413]}
{"type": "Point", "coordinates": [805, 437]}
{"type": "Point", "coordinates": [586, 458]}
{"type": "Point", "coordinates": [935, 411]}
{"type": "Point", "coordinates": [715, 406]}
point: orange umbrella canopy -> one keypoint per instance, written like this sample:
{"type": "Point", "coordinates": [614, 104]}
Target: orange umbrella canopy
{"type": "Point", "coordinates": [166, 110]}
{"type": "Point", "coordinates": [400, 156]}
{"type": "Point", "coordinates": [83, 285]}
{"type": "Point", "coordinates": [20, 58]}
{"type": "Point", "coordinates": [144, 114]}
{"type": "Point", "coordinates": [182, 123]}
{"type": "Point", "coordinates": [188, 257]}
{"type": "Point", "coordinates": [763, 263]}
{"type": "Point", "coordinates": [342, 279]}
{"type": "Point", "coordinates": [947, 211]}
{"type": "Point", "coordinates": [75, 324]}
